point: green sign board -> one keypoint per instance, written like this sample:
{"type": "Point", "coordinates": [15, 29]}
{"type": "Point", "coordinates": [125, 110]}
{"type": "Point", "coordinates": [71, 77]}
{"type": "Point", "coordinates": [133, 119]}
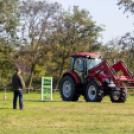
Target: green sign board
{"type": "Point", "coordinates": [46, 88]}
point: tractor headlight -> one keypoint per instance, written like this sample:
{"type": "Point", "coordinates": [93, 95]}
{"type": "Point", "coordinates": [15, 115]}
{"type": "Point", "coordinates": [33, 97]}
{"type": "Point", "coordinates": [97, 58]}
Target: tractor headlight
{"type": "Point", "coordinates": [111, 84]}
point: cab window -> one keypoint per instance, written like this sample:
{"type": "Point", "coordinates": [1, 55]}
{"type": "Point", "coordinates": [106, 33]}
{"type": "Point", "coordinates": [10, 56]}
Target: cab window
{"type": "Point", "coordinates": [93, 62]}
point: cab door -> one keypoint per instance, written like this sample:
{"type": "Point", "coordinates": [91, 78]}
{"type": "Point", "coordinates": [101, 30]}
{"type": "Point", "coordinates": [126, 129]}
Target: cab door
{"type": "Point", "coordinates": [78, 67]}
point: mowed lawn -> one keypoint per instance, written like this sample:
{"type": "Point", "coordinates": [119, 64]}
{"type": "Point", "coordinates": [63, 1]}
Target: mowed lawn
{"type": "Point", "coordinates": [58, 117]}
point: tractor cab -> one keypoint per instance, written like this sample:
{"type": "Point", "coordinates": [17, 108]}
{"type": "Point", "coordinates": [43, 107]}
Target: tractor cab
{"type": "Point", "coordinates": [82, 62]}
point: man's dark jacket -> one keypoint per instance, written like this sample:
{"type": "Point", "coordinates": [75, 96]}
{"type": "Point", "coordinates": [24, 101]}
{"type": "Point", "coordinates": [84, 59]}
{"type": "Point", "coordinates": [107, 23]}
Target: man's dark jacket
{"type": "Point", "coordinates": [18, 82]}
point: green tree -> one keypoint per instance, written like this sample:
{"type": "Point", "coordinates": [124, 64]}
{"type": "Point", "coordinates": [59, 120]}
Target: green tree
{"type": "Point", "coordinates": [38, 22]}
{"type": "Point", "coordinates": [9, 18]}
{"type": "Point", "coordinates": [111, 51]}
{"type": "Point", "coordinates": [127, 40]}
{"type": "Point", "coordinates": [9, 22]}
{"type": "Point", "coordinates": [127, 5]}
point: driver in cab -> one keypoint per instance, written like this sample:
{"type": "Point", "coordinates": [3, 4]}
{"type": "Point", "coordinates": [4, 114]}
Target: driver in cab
{"type": "Point", "coordinates": [78, 67]}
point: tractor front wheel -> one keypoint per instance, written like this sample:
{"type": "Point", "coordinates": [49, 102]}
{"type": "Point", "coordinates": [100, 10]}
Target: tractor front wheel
{"type": "Point", "coordinates": [68, 89]}
{"type": "Point", "coordinates": [93, 92]}
{"type": "Point", "coordinates": [121, 98]}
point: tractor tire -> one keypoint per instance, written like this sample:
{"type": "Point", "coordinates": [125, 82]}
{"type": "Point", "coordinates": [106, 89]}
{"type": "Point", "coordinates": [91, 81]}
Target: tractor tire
{"type": "Point", "coordinates": [68, 89]}
{"type": "Point", "coordinates": [121, 98]}
{"type": "Point", "coordinates": [93, 92]}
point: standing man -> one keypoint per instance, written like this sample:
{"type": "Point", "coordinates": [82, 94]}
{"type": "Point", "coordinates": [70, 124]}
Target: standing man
{"type": "Point", "coordinates": [18, 86]}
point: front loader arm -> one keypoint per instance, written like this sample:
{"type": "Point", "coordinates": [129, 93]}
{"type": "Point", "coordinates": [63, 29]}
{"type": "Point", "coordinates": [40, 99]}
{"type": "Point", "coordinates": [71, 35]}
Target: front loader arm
{"type": "Point", "coordinates": [120, 66]}
{"type": "Point", "coordinates": [104, 66]}
{"type": "Point", "coordinates": [110, 71]}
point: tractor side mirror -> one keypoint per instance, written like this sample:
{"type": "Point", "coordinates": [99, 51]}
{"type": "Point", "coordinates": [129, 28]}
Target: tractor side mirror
{"type": "Point", "coordinates": [85, 70]}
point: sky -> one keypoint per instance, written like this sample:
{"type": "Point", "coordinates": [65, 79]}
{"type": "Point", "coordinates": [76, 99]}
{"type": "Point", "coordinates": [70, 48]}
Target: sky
{"type": "Point", "coordinates": [104, 12]}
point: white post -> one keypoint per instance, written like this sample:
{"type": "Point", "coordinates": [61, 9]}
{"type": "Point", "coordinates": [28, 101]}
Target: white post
{"type": "Point", "coordinates": [51, 87]}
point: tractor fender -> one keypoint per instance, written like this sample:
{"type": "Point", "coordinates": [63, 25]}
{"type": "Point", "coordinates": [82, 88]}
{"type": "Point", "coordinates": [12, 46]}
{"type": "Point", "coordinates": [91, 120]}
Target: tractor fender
{"type": "Point", "coordinates": [74, 76]}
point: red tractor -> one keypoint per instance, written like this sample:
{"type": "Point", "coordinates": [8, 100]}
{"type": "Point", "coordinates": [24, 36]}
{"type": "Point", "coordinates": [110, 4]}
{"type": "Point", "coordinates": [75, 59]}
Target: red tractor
{"type": "Point", "coordinates": [94, 78]}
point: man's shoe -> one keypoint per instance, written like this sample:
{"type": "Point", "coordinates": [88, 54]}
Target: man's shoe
{"type": "Point", "coordinates": [22, 109]}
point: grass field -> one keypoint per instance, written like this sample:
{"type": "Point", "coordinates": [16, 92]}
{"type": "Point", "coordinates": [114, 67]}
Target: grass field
{"type": "Point", "coordinates": [58, 117]}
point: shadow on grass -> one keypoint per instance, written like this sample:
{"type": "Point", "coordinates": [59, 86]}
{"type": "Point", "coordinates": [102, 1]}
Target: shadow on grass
{"type": "Point", "coordinates": [40, 101]}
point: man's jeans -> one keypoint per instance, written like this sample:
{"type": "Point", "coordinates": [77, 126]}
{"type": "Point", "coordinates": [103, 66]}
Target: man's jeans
{"type": "Point", "coordinates": [16, 94]}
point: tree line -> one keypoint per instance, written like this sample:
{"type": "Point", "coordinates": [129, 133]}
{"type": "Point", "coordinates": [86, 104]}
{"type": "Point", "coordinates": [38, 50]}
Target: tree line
{"type": "Point", "coordinates": [39, 37]}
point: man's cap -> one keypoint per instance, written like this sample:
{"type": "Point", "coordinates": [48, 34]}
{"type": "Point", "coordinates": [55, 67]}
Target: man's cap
{"type": "Point", "coordinates": [18, 69]}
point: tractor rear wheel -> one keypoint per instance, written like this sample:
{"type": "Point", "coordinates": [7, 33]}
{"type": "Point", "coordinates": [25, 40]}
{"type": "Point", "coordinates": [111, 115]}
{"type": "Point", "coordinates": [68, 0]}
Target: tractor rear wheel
{"type": "Point", "coordinates": [121, 98]}
{"type": "Point", "coordinates": [93, 92]}
{"type": "Point", "coordinates": [68, 89]}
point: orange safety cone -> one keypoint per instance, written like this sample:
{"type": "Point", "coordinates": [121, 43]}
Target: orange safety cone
{"type": "Point", "coordinates": [5, 97]}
